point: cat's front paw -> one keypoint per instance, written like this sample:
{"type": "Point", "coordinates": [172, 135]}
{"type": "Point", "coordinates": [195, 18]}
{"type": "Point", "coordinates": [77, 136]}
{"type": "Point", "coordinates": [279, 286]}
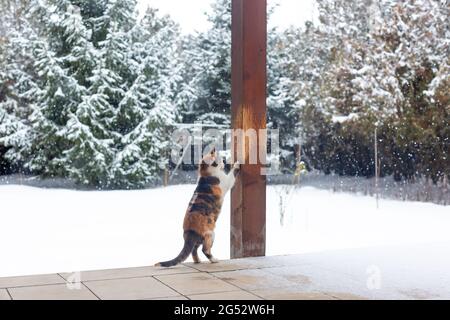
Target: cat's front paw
{"type": "Point", "coordinates": [236, 168]}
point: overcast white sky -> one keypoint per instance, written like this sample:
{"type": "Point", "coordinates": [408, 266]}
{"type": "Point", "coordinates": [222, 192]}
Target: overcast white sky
{"type": "Point", "coordinates": [190, 14]}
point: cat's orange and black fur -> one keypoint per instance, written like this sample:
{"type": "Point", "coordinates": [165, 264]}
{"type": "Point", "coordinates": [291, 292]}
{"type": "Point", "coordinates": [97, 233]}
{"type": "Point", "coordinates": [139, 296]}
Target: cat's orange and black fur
{"type": "Point", "coordinates": [204, 209]}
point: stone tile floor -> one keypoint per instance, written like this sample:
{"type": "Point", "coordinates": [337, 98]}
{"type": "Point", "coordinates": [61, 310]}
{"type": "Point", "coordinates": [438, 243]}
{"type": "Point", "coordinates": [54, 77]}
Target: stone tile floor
{"type": "Point", "coordinates": [281, 277]}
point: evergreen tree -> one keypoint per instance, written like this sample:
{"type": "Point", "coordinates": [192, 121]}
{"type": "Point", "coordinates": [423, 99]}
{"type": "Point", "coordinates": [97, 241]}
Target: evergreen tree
{"type": "Point", "coordinates": [17, 81]}
{"type": "Point", "coordinates": [297, 62]}
{"type": "Point", "coordinates": [64, 58]}
{"type": "Point", "coordinates": [103, 95]}
{"type": "Point", "coordinates": [208, 68]}
{"type": "Point", "coordinates": [90, 130]}
{"type": "Point", "coordinates": [147, 110]}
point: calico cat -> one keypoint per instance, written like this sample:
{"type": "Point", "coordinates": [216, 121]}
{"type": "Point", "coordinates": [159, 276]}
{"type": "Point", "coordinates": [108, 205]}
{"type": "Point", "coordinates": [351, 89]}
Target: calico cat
{"type": "Point", "coordinates": [204, 209]}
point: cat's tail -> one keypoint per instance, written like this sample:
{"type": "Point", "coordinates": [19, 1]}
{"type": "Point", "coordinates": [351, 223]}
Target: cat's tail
{"type": "Point", "coordinates": [191, 238]}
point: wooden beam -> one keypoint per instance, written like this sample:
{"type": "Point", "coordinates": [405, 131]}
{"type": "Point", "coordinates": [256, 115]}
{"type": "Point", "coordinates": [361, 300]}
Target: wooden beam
{"type": "Point", "coordinates": [248, 197]}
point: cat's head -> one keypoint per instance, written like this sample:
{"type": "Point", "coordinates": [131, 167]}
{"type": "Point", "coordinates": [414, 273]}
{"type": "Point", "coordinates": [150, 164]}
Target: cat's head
{"type": "Point", "coordinates": [210, 163]}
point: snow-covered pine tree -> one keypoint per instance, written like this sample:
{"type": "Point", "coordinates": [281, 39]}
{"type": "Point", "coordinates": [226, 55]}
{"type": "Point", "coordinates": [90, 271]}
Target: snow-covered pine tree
{"type": "Point", "coordinates": [147, 110]}
{"type": "Point", "coordinates": [90, 129]}
{"type": "Point", "coordinates": [347, 26]}
{"type": "Point", "coordinates": [295, 65]}
{"type": "Point", "coordinates": [103, 94]}
{"type": "Point", "coordinates": [103, 97]}
{"type": "Point", "coordinates": [207, 59]}
{"type": "Point", "coordinates": [17, 81]}
{"type": "Point", "coordinates": [6, 104]}
{"type": "Point", "coordinates": [64, 61]}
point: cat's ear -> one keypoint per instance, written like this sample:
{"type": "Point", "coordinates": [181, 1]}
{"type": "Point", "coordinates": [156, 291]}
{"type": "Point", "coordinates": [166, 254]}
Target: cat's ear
{"type": "Point", "coordinates": [213, 151]}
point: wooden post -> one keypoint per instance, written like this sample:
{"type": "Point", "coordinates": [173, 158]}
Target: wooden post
{"type": "Point", "coordinates": [248, 197]}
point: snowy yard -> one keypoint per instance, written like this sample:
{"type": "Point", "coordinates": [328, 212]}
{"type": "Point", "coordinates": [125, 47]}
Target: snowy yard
{"type": "Point", "coordinates": [58, 230]}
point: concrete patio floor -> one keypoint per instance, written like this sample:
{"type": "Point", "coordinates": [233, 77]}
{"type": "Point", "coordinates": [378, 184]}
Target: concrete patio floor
{"type": "Point", "coordinates": [282, 277]}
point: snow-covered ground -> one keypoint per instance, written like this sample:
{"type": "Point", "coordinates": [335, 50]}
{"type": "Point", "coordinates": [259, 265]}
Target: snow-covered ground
{"type": "Point", "coordinates": [58, 230]}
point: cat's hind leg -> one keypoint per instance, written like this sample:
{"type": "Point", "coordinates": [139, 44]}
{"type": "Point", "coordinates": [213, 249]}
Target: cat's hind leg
{"type": "Point", "coordinates": [195, 256]}
{"type": "Point", "coordinates": [207, 245]}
